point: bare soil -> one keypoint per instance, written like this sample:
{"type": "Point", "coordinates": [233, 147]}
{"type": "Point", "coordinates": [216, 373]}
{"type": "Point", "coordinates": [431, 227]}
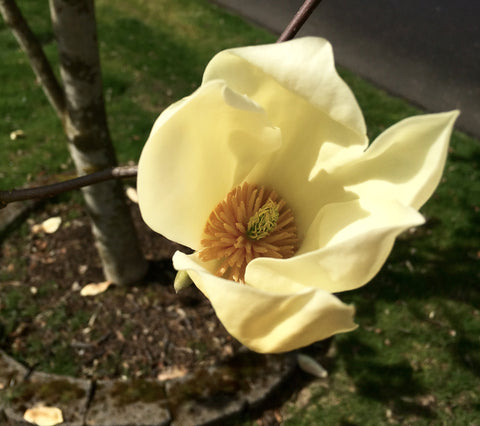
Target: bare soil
{"type": "Point", "coordinates": [144, 330]}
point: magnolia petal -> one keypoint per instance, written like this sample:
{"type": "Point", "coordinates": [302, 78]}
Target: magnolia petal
{"type": "Point", "coordinates": [17, 134]}
{"type": "Point", "coordinates": [405, 162]}
{"type": "Point", "coordinates": [313, 108]}
{"type": "Point", "coordinates": [267, 322]}
{"type": "Point", "coordinates": [172, 372]}
{"type": "Point", "coordinates": [49, 226]}
{"type": "Point", "coordinates": [305, 199]}
{"type": "Point", "coordinates": [304, 66]}
{"type": "Point", "coordinates": [93, 289]}
{"type": "Point", "coordinates": [44, 416]}
{"type": "Point", "coordinates": [192, 159]}
{"type": "Point", "coordinates": [344, 249]}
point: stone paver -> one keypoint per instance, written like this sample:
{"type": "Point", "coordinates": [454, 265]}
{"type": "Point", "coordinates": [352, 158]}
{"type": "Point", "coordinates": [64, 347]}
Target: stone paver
{"type": "Point", "coordinates": [11, 374]}
{"type": "Point", "coordinates": [137, 402]}
{"type": "Point", "coordinates": [68, 394]}
{"type": "Point", "coordinates": [200, 399]}
{"type": "Point", "coordinates": [206, 396]}
{"type": "Point", "coordinates": [221, 393]}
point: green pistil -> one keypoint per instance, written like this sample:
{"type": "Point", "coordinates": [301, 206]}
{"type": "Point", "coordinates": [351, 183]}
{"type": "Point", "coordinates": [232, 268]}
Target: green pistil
{"type": "Point", "coordinates": [263, 221]}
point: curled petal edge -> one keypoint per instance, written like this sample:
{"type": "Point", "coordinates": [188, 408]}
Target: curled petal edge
{"type": "Point", "coordinates": [346, 259]}
{"type": "Point", "coordinates": [180, 182]}
{"type": "Point", "coordinates": [318, 82]}
{"type": "Point", "coordinates": [267, 322]}
{"type": "Point", "coordinates": [405, 162]}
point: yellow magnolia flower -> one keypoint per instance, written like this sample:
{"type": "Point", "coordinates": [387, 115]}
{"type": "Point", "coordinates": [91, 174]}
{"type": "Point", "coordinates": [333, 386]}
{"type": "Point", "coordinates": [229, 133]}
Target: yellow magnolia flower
{"type": "Point", "coordinates": [266, 173]}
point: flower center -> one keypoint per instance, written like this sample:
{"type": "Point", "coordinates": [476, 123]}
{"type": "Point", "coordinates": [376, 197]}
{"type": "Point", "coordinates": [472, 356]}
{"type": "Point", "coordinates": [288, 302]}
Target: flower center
{"type": "Point", "coordinates": [251, 222]}
{"type": "Point", "coordinates": [263, 221]}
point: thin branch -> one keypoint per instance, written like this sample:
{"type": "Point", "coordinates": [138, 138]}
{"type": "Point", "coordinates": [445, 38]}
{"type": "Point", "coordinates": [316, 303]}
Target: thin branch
{"type": "Point", "coordinates": [29, 43]}
{"type": "Point", "coordinates": [46, 191]}
{"type": "Point", "coordinates": [298, 20]}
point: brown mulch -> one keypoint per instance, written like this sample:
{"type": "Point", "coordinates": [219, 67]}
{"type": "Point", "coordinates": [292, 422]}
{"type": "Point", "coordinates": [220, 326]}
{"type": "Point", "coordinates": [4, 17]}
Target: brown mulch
{"type": "Point", "coordinates": [138, 331]}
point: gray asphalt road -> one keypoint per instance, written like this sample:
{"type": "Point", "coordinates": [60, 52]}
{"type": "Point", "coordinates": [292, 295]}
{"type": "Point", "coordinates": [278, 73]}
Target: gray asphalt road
{"type": "Point", "coordinates": [427, 51]}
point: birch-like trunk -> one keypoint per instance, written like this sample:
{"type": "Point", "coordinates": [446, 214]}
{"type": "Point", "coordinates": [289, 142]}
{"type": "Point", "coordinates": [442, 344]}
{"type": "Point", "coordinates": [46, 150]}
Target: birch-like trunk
{"type": "Point", "coordinates": [89, 140]}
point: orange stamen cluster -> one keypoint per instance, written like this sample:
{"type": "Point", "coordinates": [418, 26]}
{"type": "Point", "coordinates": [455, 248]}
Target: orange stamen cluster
{"type": "Point", "coordinates": [228, 232]}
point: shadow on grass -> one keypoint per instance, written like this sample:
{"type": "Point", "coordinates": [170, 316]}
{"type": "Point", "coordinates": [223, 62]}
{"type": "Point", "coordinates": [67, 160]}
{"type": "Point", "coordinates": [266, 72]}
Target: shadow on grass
{"type": "Point", "coordinates": [465, 349]}
{"type": "Point", "coordinates": [417, 270]}
{"type": "Point", "coordinates": [394, 384]}
{"type": "Point", "coordinates": [432, 277]}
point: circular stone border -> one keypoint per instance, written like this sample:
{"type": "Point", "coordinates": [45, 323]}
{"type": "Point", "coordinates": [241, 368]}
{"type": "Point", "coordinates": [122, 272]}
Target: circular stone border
{"type": "Point", "coordinates": [205, 396]}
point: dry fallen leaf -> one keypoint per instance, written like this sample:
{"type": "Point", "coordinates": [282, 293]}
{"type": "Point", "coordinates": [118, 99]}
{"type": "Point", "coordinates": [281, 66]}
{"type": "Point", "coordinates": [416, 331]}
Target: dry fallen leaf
{"type": "Point", "coordinates": [44, 416]}
{"type": "Point", "coordinates": [132, 194]}
{"type": "Point", "coordinates": [120, 336]}
{"type": "Point", "coordinates": [49, 226]}
{"type": "Point", "coordinates": [17, 134]}
{"type": "Point", "coordinates": [172, 373]}
{"type": "Point", "coordinates": [309, 365]}
{"type": "Point", "coordinates": [93, 289]}
{"type": "Point", "coordinates": [37, 228]}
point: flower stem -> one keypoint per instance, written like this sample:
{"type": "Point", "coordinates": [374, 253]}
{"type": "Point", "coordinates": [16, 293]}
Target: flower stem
{"type": "Point", "coordinates": [298, 20]}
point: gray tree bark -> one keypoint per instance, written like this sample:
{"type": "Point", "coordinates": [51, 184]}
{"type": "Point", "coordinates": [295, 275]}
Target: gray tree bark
{"type": "Point", "coordinates": [89, 140]}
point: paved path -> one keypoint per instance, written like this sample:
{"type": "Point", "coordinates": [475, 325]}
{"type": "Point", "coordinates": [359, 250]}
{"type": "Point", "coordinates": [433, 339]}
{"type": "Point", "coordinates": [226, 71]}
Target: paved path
{"type": "Point", "coordinates": [426, 51]}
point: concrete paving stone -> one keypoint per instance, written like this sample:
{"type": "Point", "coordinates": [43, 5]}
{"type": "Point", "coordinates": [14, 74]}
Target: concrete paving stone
{"type": "Point", "coordinates": [215, 410]}
{"type": "Point", "coordinates": [204, 397]}
{"type": "Point", "coordinates": [68, 394]}
{"type": "Point", "coordinates": [220, 393]}
{"type": "Point", "coordinates": [207, 396]}
{"type": "Point", "coordinates": [278, 369]}
{"type": "Point", "coordinates": [11, 373]}
{"type": "Point", "coordinates": [134, 402]}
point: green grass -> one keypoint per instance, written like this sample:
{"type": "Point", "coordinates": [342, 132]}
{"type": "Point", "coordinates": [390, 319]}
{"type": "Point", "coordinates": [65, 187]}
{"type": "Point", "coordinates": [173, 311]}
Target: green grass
{"type": "Point", "coordinates": [415, 358]}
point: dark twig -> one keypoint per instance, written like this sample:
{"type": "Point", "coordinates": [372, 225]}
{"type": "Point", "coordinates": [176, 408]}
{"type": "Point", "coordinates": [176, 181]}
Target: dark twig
{"type": "Point", "coordinates": [29, 43]}
{"type": "Point", "coordinates": [298, 20]}
{"type": "Point", "coordinates": [46, 191]}
{"type": "Point", "coordinates": [117, 172]}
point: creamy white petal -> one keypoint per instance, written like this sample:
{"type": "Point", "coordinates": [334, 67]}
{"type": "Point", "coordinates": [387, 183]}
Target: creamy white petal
{"type": "Point", "coordinates": [304, 66]}
{"type": "Point", "coordinates": [345, 247]}
{"type": "Point", "coordinates": [204, 146]}
{"type": "Point", "coordinates": [293, 172]}
{"type": "Point", "coordinates": [405, 162]}
{"type": "Point", "coordinates": [322, 126]}
{"type": "Point", "coordinates": [267, 322]}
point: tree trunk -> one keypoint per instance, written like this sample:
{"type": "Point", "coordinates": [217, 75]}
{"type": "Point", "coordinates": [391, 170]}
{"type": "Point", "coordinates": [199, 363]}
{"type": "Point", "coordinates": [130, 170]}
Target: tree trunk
{"type": "Point", "coordinates": [89, 139]}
